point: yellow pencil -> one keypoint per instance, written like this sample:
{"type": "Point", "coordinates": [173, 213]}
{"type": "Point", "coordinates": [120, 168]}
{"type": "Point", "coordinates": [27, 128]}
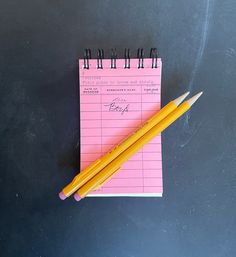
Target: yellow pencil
{"type": "Point", "coordinates": [89, 172]}
{"type": "Point", "coordinates": [104, 175]}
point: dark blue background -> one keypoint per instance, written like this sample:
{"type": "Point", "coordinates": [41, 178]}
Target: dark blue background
{"type": "Point", "coordinates": [39, 129]}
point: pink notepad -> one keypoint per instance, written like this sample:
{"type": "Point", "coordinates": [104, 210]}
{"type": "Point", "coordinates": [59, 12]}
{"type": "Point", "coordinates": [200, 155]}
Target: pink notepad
{"type": "Point", "coordinates": [113, 104]}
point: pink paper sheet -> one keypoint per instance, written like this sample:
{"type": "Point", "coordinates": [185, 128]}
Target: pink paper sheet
{"type": "Point", "coordinates": [113, 103]}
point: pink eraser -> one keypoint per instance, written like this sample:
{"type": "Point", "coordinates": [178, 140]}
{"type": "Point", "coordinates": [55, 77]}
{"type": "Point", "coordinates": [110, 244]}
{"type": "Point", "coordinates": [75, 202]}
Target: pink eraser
{"type": "Point", "coordinates": [62, 196]}
{"type": "Point", "coordinates": [77, 197]}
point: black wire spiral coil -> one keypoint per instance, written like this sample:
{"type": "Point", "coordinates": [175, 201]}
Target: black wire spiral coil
{"type": "Point", "coordinates": [153, 55]}
{"type": "Point", "coordinates": [113, 58]}
{"type": "Point", "coordinates": [100, 56]}
{"type": "Point", "coordinates": [127, 59]}
{"type": "Point", "coordinates": [87, 56]}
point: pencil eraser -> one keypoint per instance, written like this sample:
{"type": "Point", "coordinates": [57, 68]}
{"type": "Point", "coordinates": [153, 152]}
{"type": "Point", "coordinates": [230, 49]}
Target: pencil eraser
{"type": "Point", "coordinates": [77, 197]}
{"type": "Point", "coordinates": [62, 196]}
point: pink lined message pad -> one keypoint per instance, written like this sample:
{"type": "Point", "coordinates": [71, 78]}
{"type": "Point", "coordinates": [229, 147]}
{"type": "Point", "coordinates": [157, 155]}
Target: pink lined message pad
{"type": "Point", "coordinates": [113, 104]}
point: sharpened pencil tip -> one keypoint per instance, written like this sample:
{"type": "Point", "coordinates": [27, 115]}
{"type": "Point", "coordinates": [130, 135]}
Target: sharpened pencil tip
{"type": "Point", "coordinates": [193, 99]}
{"type": "Point", "coordinates": [180, 99]}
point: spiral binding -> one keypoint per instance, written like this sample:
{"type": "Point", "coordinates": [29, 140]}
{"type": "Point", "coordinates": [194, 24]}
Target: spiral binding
{"type": "Point", "coordinates": [140, 56]}
{"type": "Point", "coordinates": [87, 56]}
{"type": "Point", "coordinates": [127, 59]}
{"type": "Point", "coordinates": [153, 55]}
{"type": "Point", "coordinates": [100, 56]}
{"type": "Point", "coordinates": [113, 58]}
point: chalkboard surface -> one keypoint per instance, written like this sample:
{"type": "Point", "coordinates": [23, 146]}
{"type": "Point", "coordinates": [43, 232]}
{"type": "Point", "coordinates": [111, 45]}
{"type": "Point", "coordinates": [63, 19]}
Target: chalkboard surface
{"type": "Point", "coordinates": [39, 129]}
